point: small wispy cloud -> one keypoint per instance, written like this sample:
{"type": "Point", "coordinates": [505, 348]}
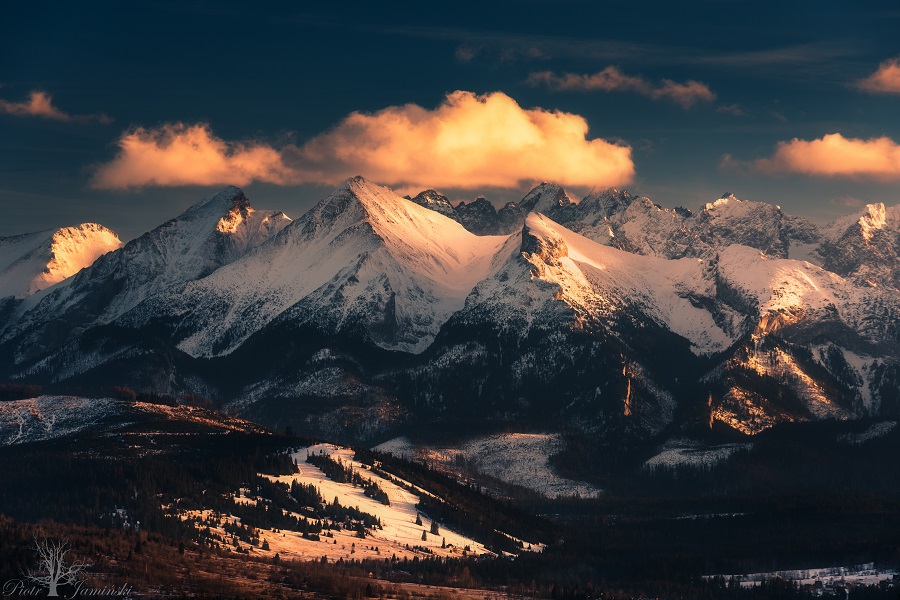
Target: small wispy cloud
{"type": "Point", "coordinates": [832, 155]}
{"type": "Point", "coordinates": [40, 104]}
{"type": "Point", "coordinates": [731, 109]}
{"type": "Point", "coordinates": [885, 80]}
{"type": "Point", "coordinates": [466, 52]}
{"type": "Point", "coordinates": [847, 202]}
{"type": "Point", "coordinates": [611, 79]}
{"type": "Point", "coordinates": [794, 60]}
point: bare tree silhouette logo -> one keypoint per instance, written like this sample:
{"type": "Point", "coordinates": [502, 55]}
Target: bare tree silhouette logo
{"type": "Point", "coordinates": [53, 568]}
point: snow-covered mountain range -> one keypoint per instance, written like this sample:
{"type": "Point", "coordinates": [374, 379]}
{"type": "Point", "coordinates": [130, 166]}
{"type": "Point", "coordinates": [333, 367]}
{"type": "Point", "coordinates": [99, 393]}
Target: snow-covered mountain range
{"type": "Point", "coordinates": [609, 313]}
{"type": "Point", "coordinates": [361, 257]}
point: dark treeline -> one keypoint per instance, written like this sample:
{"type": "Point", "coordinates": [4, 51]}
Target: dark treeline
{"type": "Point", "coordinates": [18, 391]}
{"type": "Point", "coordinates": [659, 526]}
{"type": "Point", "coordinates": [621, 544]}
{"type": "Point", "coordinates": [806, 457]}
{"type": "Point", "coordinates": [148, 561]}
{"type": "Point", "coordinates": [83, 485]}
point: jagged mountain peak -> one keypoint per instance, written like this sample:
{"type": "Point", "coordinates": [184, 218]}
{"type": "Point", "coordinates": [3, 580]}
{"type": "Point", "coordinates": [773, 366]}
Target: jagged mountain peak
{"type": "Point", "coordinates": [479, 204]}
{"type": "Point", "coordinates": [605, 203]}
{"type": "Point", "coordinates": [359, 194]}
{"type": "Point", "coordinates": [481, 217]}
{"type": "Point", "coordinates": [723, 199]}
{"type": "Point", "coordinates": [731, 203]}
{"type": "Point", "coordinates": [605, 285]}
{"type": "Point", "coordinates": [437, 202]}
{"type": "Point", "coordinates": [363, 259]}
{"type": "Point", "coordinates": [540, 240]}
{"type": "Point", "coordinates": [761, 225]}
{"type": "Point", "coordinates": [430, 196]}
{"type": "Point", "coordinates": [212, 233]}
{"type": "Point", "coordinates": [227, 220]}
{"type": "Point", "coordinates": [229, 198]}
{"type": "Point", "coordinates": [870, 219]}
{"type": "Point", "coordinates": [864, 246]}
{"type": "Point", "coordinates": [390, 215]}
{"type": "Point", "coordinates": [544, 198]}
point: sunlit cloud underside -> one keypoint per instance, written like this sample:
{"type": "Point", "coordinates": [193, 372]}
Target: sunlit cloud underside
{"type": "Point", "coordinates": [466, 142]}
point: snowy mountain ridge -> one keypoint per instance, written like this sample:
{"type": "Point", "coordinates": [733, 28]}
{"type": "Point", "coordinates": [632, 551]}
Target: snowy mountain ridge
{"type": "Point", "coordinates": [363, 253]}
{"type": "Point", "coordinates": [610, 312]}
{"type": "Point", "coordinates": [864, 246]}
{"type": "Point", "coordinates": [213, 232]}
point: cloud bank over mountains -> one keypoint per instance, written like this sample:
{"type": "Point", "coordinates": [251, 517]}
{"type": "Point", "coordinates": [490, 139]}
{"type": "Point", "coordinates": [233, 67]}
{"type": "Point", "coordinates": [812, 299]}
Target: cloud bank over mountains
{"type": "Point", "coordinates": [468, 141]}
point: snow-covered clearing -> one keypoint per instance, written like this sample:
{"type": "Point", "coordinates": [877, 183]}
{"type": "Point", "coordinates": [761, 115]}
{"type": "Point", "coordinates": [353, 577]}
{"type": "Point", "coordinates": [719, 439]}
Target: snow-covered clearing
{"type": "Point", "coordinates": [875, 431]}
{"type": "Point", "coordinates": [399, 535]}
{"type": "Point", "coordinates": [521, 459]}
{"type": "Point", "coordinates": [398, 520]}
{"type": "Point", "coordinates": [686, 453]}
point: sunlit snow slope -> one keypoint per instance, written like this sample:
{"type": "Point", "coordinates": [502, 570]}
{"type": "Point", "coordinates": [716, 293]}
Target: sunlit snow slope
{"type": "Point", "coordinates": [34, 261]}
{"type": "Point", "coordinates": [213, 232]}
{"type": "Point", "coordinates": [364, 255]}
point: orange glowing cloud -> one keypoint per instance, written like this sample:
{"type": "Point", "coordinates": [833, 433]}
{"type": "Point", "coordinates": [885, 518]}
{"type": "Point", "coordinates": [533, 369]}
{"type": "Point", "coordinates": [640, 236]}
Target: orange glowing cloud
{"type": "Point", "coordinates": [611, 79]}
{"type": "Point", "coordinates": [468, 141]}
{"type": "Point", "coordinates": [179, 154]}
{"type": "Point", "coordinates": [831, 156]}
{"type": "Point", "coordinates": [40, 104]}
{"type": "Point", "coordinates": [886, 80]}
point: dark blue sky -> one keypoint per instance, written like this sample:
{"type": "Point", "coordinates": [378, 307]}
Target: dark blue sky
{"type": "Point", "coordinates": [260, 73]}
